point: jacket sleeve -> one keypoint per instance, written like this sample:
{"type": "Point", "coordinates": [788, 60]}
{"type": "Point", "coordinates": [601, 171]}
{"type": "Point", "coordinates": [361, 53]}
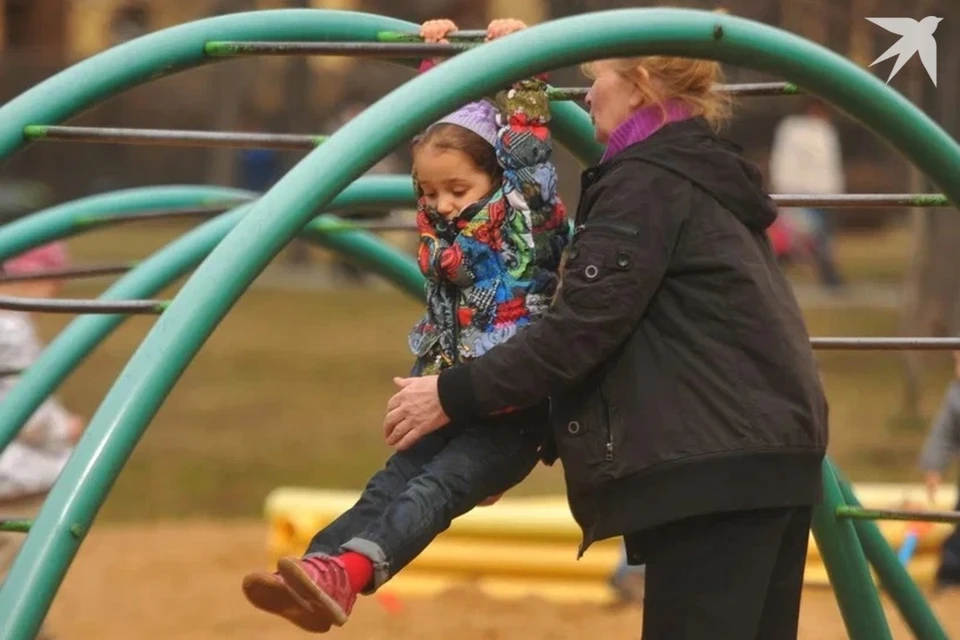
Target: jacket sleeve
{"type": "Point", "coordinates": [944, 439]}
{"type": "Point", "coordinates": [614, 266]}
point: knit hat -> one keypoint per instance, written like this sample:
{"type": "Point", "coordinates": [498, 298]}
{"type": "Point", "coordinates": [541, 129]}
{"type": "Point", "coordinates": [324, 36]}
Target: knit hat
{"type": "Point", "coordinates": [49, 256]}
{"type": "Point", "coordinates": [480, 117]}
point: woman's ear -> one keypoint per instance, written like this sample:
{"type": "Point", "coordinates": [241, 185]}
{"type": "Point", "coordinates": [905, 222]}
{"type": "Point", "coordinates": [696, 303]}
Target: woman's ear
{"type": "Point", "coordinates": [637, 95]}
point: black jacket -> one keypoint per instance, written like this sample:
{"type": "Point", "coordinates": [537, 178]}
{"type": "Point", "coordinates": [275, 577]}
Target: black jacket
{"type": "Point", "coordinates": [681, 376]}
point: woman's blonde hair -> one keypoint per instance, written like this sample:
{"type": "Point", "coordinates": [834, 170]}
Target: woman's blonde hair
{"type": "Point", "coordinates": [694, 82]}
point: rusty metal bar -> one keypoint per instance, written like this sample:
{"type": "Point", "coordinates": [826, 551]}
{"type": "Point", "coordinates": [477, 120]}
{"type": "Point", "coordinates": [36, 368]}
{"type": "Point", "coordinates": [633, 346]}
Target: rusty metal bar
{"type": "Point", "coordinates": [464, 34]}
{"type": "Point", "coordinates": [885, 344]}
{"type": "Point", "coordinates": [230, 49]}
{"type": "Point", "coordinates": [7, 373]}
{"type": "Point", "coordinates": [743, 90]}
{"type": "Point", "coordinates": [172, 137]}
{"type": "Point", "coordinates": [64, 305]}
{"type": "Point", "coordinates": [69, 273]}
{"type": "Point", "coordinates": [859, 513]}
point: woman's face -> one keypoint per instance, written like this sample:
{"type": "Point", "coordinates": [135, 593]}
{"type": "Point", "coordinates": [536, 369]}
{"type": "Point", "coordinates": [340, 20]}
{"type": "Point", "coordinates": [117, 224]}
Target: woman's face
{"type": "Point", "coordinates": [611, 100]}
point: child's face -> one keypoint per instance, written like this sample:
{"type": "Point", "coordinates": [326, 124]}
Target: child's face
{"type": "Point", "coordinates": [450, 180]}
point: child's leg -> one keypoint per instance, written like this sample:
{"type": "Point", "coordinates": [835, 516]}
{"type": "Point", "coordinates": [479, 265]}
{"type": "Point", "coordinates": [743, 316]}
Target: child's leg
{"type": "Point", "coordinates": [476, 463]}
{"type": "Point", "coordinates": [268, 592]}
{"type": "Point", "coordinates": [383, 487]}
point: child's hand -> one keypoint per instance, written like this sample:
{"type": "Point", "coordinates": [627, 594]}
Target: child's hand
{"type": "Point", "coordinates": [77, 425]}
{"type": "Point", "coordinates": [435, 31]}
{"type": "Point", "coordinates": [504, 27]}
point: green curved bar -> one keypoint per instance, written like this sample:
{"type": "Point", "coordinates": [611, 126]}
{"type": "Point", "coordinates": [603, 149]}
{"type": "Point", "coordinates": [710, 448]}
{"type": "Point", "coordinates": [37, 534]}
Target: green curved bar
{"type": "Point", "coordinates": [179, 48]}
{"type": "Point", "coordinates": [69, 349]}
{"type": "Point", "coordinates": [276, 218]}
{"type": "Point", "coordinates": [66, 219]}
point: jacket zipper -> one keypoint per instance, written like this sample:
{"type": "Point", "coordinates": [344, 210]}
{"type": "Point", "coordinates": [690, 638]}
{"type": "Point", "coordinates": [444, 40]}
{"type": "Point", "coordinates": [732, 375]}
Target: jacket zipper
{"type": "Point", "coordinates": [608, 453]}
{"type": "Point", "coordinates": [630, 231]}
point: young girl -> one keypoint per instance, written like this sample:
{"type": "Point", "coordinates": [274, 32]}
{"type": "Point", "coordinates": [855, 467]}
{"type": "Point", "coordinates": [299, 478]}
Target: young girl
{"type": "Point", "coordinates": [492, 230]}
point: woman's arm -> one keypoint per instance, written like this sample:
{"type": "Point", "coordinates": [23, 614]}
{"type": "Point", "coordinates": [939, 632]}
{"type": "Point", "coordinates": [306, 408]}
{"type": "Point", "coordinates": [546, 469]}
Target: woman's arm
{"type": "Point", "coordinates": [617, 262]}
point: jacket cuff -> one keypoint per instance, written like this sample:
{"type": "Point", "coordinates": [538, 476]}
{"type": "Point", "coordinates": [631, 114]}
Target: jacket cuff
{"type": "Point", "coordinates": [455, 389]}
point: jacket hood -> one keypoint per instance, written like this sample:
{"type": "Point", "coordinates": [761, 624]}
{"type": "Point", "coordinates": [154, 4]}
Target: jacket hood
{"type": "Point", "coordinates": [691, 149]}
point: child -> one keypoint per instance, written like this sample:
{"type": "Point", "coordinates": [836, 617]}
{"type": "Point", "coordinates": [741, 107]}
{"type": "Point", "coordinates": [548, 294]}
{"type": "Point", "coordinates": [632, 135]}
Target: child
{"type": "Point", "coordinates": [942, 444]}
{"type": "Point", "coordinates": [32, 462]}
{"type": "Point", "coordinates": [492, 231]}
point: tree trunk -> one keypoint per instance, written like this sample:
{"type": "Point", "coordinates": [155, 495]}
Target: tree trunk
{"type": "Point", "coordinates": [932, 292]}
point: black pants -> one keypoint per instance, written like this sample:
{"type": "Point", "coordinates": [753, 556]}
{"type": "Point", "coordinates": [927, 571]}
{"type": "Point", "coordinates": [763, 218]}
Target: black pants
{"type": "Point", "coordinates": [420, 491]}
{"type": "Point", "coordinates": [728, 576]}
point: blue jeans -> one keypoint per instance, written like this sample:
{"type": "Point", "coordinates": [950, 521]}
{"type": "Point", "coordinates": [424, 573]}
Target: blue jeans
{"type": "Point", "coordinates": [420, 491]}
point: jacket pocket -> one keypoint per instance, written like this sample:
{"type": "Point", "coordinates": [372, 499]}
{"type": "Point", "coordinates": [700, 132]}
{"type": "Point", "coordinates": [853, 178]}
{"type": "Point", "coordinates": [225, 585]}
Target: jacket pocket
{"type": "Point", "coordinates": [585, 439]}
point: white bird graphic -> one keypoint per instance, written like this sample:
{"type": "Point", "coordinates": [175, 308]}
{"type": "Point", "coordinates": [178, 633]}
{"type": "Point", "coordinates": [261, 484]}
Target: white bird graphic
{"type": "Point", "coordinates": [916, 37]}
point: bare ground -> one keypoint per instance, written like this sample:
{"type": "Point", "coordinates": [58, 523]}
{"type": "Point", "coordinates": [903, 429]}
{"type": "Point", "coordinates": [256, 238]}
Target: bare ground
{"type": "Point", "coordinates": [182, 580]}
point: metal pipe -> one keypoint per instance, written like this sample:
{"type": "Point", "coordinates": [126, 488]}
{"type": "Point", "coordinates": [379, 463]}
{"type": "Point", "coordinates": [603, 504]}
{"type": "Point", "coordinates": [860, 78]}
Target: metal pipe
{"type": "Point", "coordinates": [172, 137]}
{"type": "Point", "coordinates": [398, 36]}
{"type": "Point", "coordinates": [64, 305]}
{"type": "Point", "coordinates": [15, 526]}
{"type": "Point", "coordinates": [69, 273]}
{"type": "Point", "coordinates": [859, 513]}
{"type": "Point", "coordinates": [395, 50]}
{"type": "Point", "coordinates": [886, 344]}
{"type": "Point", "coordinates": [742, 90]}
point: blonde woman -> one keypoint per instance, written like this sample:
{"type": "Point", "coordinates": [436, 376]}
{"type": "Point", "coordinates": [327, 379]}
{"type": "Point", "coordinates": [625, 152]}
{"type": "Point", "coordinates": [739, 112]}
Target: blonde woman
{"type": "Point", "coordinates": [686, 405]}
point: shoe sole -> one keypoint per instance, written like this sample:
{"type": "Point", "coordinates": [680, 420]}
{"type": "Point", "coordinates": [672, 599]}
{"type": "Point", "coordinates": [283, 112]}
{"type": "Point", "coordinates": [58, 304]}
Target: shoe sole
{"type": "Point", "coordinates": [270, 595]}
{"type": "Point", "coordinates": [324, 608]}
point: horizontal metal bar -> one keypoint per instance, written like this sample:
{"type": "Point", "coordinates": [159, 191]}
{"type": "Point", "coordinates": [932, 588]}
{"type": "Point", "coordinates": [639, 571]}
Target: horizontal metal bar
{"type": "Point", "coordinates": [397, 36]}
{"type": "Point", "coordinates": [172, 137]}
{"type": "Point", "coordinates": [156, 214]}
{"type": "Point", "coordinates": [848, 200]}
{"type": "Point", "coordinates": [70, 273]}
{"type": "Point", "coordinates": [15, 525]}
{"type": "Point", "coordinates": [885, 344]}
{"type": "Point", "coordinates": [64, 305]}
{"type": "Point", "coordinates": [6, 373]}
{"type": "Point", "coordinates": [858, 513]}
{"type": "Point", "coordinates": [229, 48]}
{"type": "Point", "coordinates": [743, 90]}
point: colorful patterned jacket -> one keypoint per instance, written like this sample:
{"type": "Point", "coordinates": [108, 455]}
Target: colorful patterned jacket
{"type": "Point", "coordinates": [494, 268]}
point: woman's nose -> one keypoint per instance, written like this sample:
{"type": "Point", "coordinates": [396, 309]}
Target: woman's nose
{"type": "Point", "coordinates": [589, 99]}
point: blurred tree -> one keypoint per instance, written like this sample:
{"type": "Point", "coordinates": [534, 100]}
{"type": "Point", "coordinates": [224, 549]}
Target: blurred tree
{"type": "Point", "coordinates": [932, 289]}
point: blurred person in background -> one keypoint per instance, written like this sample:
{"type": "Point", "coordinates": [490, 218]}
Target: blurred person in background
{"type": "Point", "coordinates": [806, 159]}
{"type": "Point", "coordinates": [32, 462]}
{"type": "Point", "coordinates": [942, 445]}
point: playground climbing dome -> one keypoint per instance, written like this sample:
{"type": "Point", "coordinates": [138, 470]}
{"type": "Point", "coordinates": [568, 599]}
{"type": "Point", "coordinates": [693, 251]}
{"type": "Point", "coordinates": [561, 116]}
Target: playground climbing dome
{"type": "Point", "coordinates": [246, 231]}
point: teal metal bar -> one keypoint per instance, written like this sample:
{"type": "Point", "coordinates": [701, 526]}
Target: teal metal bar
{"type": "Point", "coordinates": [847, 567]}
{"type": "Point", "coordinates": [67, 219]}
{"type": "Point", "coordinates": [69, 349]}
{"type": "Point", "coordinates": [277, 217]}
{"type": "Point", "coordinates": [170, 51]}
{"type": "Point", "coordinates": [893, 576]}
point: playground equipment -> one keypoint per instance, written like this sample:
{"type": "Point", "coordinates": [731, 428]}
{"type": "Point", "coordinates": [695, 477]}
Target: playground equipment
{"type": "Point", "coordinates": [247, 238]}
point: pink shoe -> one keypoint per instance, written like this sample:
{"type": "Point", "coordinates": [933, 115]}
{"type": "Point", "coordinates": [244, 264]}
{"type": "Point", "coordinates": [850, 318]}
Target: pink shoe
{"type": "Point", "coordinates": [322, 583]}
{"type": "Point", "coordinates": [268, 592]}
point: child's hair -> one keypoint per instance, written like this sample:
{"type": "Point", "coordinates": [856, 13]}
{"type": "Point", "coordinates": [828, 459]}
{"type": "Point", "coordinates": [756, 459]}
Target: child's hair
{"type": "Point", "coordinates": [445, 136]}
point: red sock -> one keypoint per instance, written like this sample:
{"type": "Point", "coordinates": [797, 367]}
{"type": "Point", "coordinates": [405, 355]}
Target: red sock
{"type": "Point", "coordinates": [359, 569]}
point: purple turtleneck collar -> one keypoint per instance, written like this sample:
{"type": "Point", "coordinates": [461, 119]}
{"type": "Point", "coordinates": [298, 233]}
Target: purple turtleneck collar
{"type": "Point", "coordinates": [642, 124]}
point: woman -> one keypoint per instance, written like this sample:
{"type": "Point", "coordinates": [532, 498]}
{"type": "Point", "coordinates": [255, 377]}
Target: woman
{"type": "Point", "coordinates": [686, 403]}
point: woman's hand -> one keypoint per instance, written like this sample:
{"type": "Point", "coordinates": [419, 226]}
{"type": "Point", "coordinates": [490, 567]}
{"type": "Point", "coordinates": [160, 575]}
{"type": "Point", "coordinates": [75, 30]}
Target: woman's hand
{"type": "Point", "coordinates": [413, 412]}
{"type": "Point", "coordinates": [504, 27]}
{"type": "Point", "coordinates": [75, 428]}
{"type": "Point", "coordinates": [435, 31]}
{"type": "Point", "coordinates": [932, 480]}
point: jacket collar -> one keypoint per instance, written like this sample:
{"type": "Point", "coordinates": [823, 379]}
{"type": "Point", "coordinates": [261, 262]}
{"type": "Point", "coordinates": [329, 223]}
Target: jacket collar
{"type": "Point", "coordinates": [644, 123]}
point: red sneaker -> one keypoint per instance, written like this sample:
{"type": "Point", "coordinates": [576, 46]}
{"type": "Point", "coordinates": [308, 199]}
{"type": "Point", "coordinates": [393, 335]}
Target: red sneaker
{"type": "Point", "coordinates": [321, 582]}
{"type": "Point", "coordinates": [268, 592]}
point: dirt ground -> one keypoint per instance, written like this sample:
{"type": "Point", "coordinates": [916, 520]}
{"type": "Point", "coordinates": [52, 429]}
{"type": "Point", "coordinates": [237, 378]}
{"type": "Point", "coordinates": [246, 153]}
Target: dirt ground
{"type": "Point", "coordinates": [181, 580]}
